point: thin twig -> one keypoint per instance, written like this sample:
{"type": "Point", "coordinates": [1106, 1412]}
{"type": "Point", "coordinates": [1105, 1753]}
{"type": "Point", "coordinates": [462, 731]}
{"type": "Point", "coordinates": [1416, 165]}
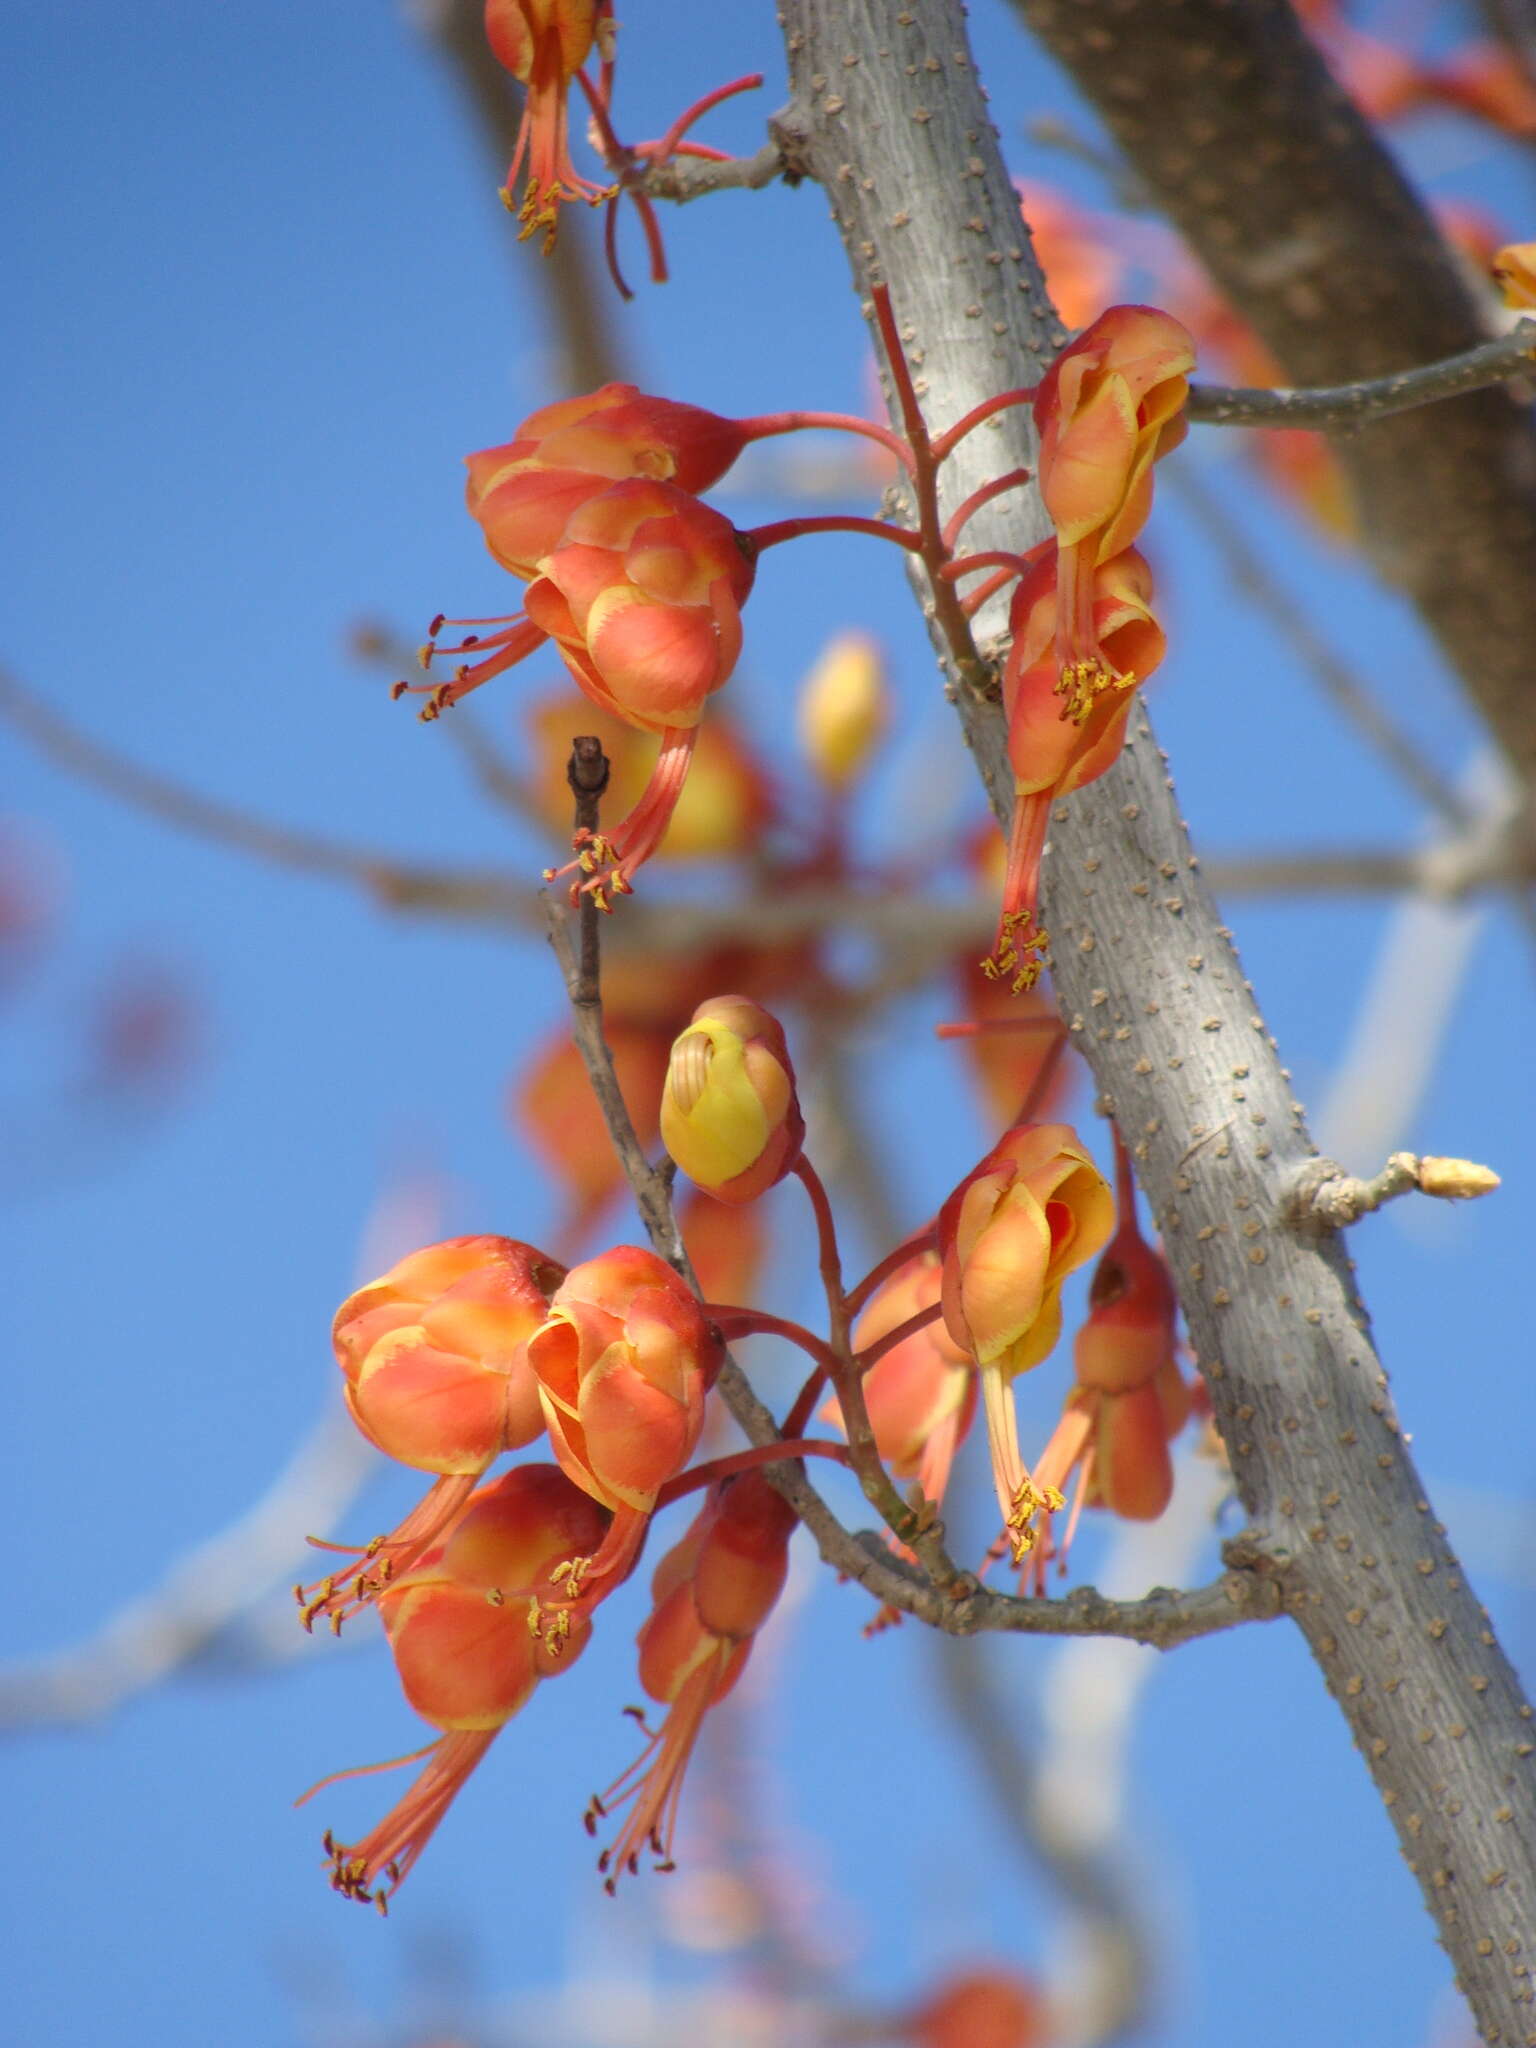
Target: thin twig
{"type": "Point", "coordinates": [401, 884]}
{"type": "Point", "coordinates": [682, 178]}
{"type": "Point", "coordinates": [1500, 361]}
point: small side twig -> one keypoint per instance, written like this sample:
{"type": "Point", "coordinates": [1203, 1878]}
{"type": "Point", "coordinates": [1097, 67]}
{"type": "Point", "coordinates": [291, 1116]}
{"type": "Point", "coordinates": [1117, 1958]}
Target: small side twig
{"type": "Point", "coordinates": [1326, 1198]}
{"type": "Point", "coordinates": [1500, 361]}
{"type": "Point", "coordinates": [682, 178]}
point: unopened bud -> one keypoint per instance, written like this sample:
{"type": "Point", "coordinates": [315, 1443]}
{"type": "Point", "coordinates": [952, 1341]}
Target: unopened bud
{"type": "Point", "coordinates": [1456, 1180]}
{"type": "Point", "coordinates": [1514, 272]}
{"type": "Point", "coordinates": [730, 1116]}
{"type": "Point", "coordinates": [843, 708]}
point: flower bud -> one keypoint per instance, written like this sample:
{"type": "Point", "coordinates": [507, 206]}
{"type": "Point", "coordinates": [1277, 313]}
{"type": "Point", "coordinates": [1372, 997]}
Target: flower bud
{"type": "Point", "coordinates": [730, 1116]}
{"type": "Point", "coordinates": [1456, 1180]}
{"type": "Point", "coordinates": [435, 1353]}
{"type": "Point", "coordinates": [1514, 272]}
{"type": "Point", "coordinates": [843, 708]}
{"type": "Point", "coordinates": [624, 1360]}
{"type": "Point", "coordinates": [1034, 1210]}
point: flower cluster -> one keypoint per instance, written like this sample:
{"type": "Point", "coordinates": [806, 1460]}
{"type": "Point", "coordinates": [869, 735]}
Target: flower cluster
{"type": "Point", "coordinates": [482, 1346]}
{"type": "Point", "coordinates": [463, 1351]}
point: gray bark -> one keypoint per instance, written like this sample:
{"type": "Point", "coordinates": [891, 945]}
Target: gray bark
{"type": "Point", "coordinates": [889, 115]}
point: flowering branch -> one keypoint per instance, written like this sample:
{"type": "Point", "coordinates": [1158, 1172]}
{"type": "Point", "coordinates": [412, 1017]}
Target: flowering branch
{"type": "Point", "coordinates": [1500, 361]}
{"type": "Point", "coordinates": [1152, 989]}
{"type": "Point", "coordinates": [938, 1593]}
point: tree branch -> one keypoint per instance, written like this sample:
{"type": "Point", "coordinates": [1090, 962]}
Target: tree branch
{"type": "Point", "coordinates": [1153, 992]}
{"type": "Point", "coordinates": [1374, 398]}
{"type": "Point", "coordinates": [1232, 121]}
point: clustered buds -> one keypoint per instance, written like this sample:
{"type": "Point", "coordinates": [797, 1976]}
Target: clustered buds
{"type": "Point", "coordinates": [730, 1116]}
{"type": "Point", "coordinates": [463, 1351]}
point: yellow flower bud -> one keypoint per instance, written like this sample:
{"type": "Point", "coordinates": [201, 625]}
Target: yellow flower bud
{"type": "Point", "coordinates": [1514, 272]}
{"type": "Point", "coordinates": [1456, 1180]}
{"type": "Point", "coordinates": [843, 706]}
{"type": "Point", "coordinates": [729, 1113]}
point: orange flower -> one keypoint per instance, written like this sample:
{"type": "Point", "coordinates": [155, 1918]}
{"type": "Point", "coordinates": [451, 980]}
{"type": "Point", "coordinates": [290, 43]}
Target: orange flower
{"type": "Point", "coordinates": [1107, 408]}
{"type": "Point", "coordinates": [1130, 1399]}
{"type": "Point", "coordinates": [1057, 746]}
{"type": "Point", "coordinates": [1034, 1210]}
{"type": "Point", "coordinates": [921, 1394]}
{"type": "Point", "coordinates": [730, 1116]}
{"type": "Point", "coordinates": [711, 1594]}
{"type": "Point", "coordinates": [464, 1627]}
{"type": "Point", "coordinates": [643, 597]}
{"type": "Point", "coordinates": [544, 43]}
{"type": "Point", "coordinates": [624, 1361]}
{"type": "Point", "coordinates": [524, 491]}
{"type": "Point", "coordinates": [437, 1376]}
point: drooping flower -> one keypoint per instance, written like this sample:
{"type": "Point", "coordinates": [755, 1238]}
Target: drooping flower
{"type": "Point", "coordinates": [465, 1629]}
{"type": "Point", "coordinates": [643, 597]}
{"type": "Point", "coordinates": [624, 1360]}
{"type": "Point", "coordinates": [1130, 1398]}
{"type": "Point", "coordinates": [1030, 1213]}
{"type": "Point", "coordinates": [711, 1594]}
{"type": "Point", "coordinates": [730, 1115]}
{"type": "Point", "coordinates": [920, 1395]}
{"type": "Point", "coordinates": [437, 1376]}
{"type": "Point", "coordinates": [544, 43]}
{"type": "Point", "coordinates": [523, 492]}
{"type": "Point", "coordinates": [1107, 408]}
{"type": "Point", "coordinates": [1057, 746]}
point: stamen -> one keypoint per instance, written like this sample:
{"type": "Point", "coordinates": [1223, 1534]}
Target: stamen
{"type": "Point", "coordinates": [1081, 683]}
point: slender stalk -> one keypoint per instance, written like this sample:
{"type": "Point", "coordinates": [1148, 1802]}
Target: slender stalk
{"type": "Point", "coordinates": [914, 1246]}
{"type": "Point", "coordinates": [872, 1354]}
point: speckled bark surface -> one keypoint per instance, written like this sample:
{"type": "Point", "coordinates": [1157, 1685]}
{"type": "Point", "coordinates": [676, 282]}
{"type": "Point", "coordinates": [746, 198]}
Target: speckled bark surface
{"type": "Point", "coordinates": [889, 115]}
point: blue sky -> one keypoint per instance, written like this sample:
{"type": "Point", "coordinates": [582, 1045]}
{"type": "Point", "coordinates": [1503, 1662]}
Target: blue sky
{"type": "Point", "coordinates": [262, 298]}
